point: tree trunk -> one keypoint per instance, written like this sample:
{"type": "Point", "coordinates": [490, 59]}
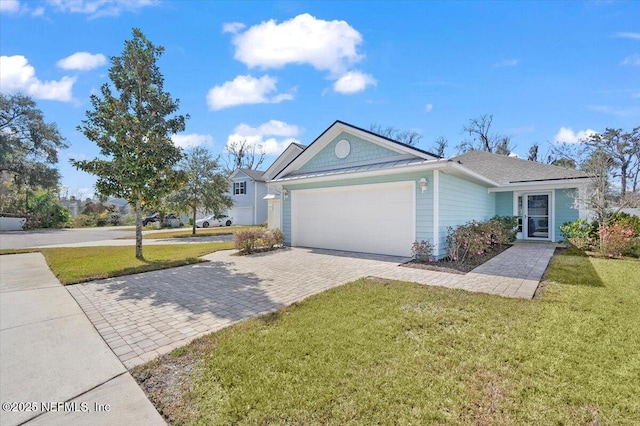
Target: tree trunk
{"type": "Point", "coordinates": [623, 179]}
{"type": "Point", "coordinates": [193, 230]}
{"type": "Point", "coordinates": [139, 229]}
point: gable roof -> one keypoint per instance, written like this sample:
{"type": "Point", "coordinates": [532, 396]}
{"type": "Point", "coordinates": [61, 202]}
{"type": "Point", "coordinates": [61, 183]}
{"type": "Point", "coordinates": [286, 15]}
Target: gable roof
{"type": "Point", "coordinates": [256, 175]}
{"type": "Point", "coordinates": [386, 138]}
{"type": "Point", "coordinates": [338, 126]}
{"type": "Point", "coordinates": [503, 169]}
{"type": "Point", "coordinates": [289, 154]}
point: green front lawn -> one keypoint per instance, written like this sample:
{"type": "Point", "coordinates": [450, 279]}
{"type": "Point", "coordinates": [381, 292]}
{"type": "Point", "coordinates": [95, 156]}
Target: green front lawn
{"type": "Point", "coordinates": [380, 352]}
{"type": "Point", "coordinates": [186, 232]}
{"type": "Point", "coordinates": [77, 264]}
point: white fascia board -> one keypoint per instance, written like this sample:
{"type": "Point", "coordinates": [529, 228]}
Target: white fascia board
{"type": "Point", "coordinates": [542, 185]}
{"type": "Point", "coordinates": [436, 164]}
{"type": "Point", "coordinates": [277, 165]}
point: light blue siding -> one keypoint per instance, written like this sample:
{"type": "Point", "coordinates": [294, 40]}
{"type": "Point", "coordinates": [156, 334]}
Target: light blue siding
{"type": "Point", "coordinates": [242, 200]}
{"type": "Point", "coordinates": [564, 210]}
{"type": "Point", "coordinates": [461, 201]}
{"type": "Point", "coordinates": [504, 203]}
{"type": "Point", "coordinates": [424, 201]}
{"type": "Point", "coordinates": [361, 151]}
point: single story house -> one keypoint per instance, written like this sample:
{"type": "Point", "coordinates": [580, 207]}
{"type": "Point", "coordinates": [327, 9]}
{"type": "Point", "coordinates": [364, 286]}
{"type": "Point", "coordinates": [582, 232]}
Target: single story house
{"type": "Point", "coordinates": [354, 190]}
{"type": "Point", "coordinates": [247, 189]}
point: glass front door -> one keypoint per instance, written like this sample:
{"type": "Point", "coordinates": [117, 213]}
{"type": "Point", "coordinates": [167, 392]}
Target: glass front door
{"type": "Point", "coordinates": [537, 216]}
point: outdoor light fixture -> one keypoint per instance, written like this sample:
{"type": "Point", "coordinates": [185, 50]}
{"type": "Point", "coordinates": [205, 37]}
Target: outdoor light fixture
{"type": "Point", "coordinates": [423, 184]}
{"type": "Point", "coordinates": [285, 194]}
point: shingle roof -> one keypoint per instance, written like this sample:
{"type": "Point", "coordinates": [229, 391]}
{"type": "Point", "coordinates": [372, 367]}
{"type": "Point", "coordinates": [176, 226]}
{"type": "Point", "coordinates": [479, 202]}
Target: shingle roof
{"type": "Point", "coordinates": [500, 168]}
{"type": "Point", "coordinates": [253, 174]}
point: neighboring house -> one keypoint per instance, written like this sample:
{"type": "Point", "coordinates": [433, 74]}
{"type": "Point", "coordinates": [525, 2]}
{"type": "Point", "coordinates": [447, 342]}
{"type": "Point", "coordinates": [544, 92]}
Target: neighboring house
{"type": "Point", "coordinates": [358, 191]}
{"type": "Point", "coordinates": [272, 198]}
{"type": "Point", "coordinates": [247, 189]}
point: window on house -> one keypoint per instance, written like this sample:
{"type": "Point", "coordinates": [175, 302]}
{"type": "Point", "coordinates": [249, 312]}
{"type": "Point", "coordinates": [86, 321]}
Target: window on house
{"type": "Point", "coordinates": [239, 188]}
{"type": "Point", "coordinates": [520, 213]}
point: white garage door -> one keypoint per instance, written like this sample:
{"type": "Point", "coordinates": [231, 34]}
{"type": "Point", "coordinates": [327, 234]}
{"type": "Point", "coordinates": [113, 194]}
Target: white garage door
{"type": "Point", "coordinates": [376, 218]}
{"type": "Point", "coordinates": [242, 215]}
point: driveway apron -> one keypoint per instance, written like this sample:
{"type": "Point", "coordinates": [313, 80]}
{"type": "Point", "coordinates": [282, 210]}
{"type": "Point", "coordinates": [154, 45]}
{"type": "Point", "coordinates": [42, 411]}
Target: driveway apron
{"type": "Point", "coordinates": [144, 315]}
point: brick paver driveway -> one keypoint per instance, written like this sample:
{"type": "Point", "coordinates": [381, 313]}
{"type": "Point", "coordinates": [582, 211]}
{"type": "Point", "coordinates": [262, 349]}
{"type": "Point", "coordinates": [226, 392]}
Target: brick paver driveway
{"type": "Point", "coordinates": [144, 315]}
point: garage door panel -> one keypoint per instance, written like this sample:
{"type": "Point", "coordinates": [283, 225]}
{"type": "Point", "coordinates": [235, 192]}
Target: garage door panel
{"type": "Point", "coordinates": [366, 218]}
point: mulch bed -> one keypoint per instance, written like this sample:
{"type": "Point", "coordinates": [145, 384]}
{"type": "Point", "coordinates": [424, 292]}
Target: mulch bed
{"type": "Point", "coordinates": [447, 265]}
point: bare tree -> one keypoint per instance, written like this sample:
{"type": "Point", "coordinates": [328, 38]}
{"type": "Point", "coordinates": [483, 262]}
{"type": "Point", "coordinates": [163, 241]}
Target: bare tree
{"type": "Point", "coordinates": [623, 148]}
{"type": "Point", "coordinates": [407, 137]}
{"type": "Point", "coordinates": [243, 155]}
{"type": "Point", "coordinates": [483, 139]}
{"type": "Point", "coordinates": [440, 146]}
{"type": "Point", "coordinates": [533, 152]}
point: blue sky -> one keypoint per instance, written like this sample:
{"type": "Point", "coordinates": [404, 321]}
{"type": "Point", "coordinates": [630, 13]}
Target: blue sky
{"type": "Point", "coordinates": [274, 72]}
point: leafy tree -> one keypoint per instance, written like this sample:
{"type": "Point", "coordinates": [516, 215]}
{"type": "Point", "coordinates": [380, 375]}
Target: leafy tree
{"type": "Point", "coordinates": [623, 148]}
{"type": "Point", "coordinates": [205, 188]}
{"type": "Point", "coordinates": [407, 137]}
{"type": "Point", "coordinates": [28, 149]}
{"type": "Point", "coordinates": [133, 129]}
{"type": "Point", "coordinates": [482, 137]}
{"type": "Point", "coordinates": [46, 212]}
{"type": "Point", "coordinates": [243, 155]}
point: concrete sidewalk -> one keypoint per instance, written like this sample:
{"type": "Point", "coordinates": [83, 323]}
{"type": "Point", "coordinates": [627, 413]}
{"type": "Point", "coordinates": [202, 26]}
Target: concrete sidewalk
{"type": "Point", "coordinates": [55, 368]}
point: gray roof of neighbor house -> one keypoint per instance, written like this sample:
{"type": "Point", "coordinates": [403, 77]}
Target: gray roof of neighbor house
{"type": "Point", "coordinates": [253, 174]}
{"type": "Point", "coordinates": [500, 168]}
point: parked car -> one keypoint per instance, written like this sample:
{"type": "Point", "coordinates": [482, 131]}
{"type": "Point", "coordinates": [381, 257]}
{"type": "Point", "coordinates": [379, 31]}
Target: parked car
{"type": "Point", "coordinates": [150, 219]}
{"type": "Point", "coordinates": [156, 217]}
{"type": "Point", "coordinates": [214, 220]}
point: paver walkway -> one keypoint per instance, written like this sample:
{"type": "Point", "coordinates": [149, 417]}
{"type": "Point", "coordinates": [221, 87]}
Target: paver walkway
{"type": "Point", "coordinates": [54, 366]}
{"type": "Point", "coordinates": [142, 316]}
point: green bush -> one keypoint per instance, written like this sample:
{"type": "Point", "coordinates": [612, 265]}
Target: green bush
{"type": "Point", "coordinates": [578, 233]}
{"type": "Point", "coordinates": [46, 212]}
{"type": "Point", "coordinates": [509, 226]}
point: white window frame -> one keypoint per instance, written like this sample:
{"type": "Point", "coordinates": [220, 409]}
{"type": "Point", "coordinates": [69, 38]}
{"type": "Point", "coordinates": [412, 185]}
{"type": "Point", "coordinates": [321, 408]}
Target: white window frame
{"type": "Point", "coordinates": [240, 188]}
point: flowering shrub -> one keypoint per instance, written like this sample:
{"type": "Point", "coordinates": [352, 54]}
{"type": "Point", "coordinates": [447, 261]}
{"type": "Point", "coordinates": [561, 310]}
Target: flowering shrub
{"type": "Point", "coordinates": [473, 239]}
{"type": "Point", "coordinates": [615, 239]}
{"type": "Point", "coordinates": [251, 240]}
{"type": "Point", "coordinates": [578, 233]}
{"type": "Point", "coordinates": [422, 251]}
{"type": "Point", "coordinates": [272, 238]}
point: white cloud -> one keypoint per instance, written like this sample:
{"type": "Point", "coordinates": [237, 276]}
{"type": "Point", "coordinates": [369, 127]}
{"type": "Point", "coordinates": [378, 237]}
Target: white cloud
{"type": "Point", "coordinates": [274, 136]}
{"type": "Point", "coordinates": [633, 60]}
{"type": "Point", "coordinates": [16, 75]}
{"type": "Point", "coordinates": [38, 11]}
{"type": "Point", "coordinates": [567, 135]}
{"type": "Point", "coordinates": [428, 107]}
{"type": "Point", "coordinates": [507, 63]}
{"type": "Point", "coordinates": [9, 6]}
{"type": "Point", "coordinates": [632, 36]}
{"type": "Point", "coordinates": [353, 82]}
{"type": "Point", "coordinates": [325, 45]}
{"type": "Point", "coordinates": [97, 8]}
{"type": "Point", "coordinates": [245, 89]}
{"type": "Point", "coordinates": [232, 27]}
{"type": "Point", "coordinates": [191, 140]}
{"type": "Point", "coordinates": [82, 61]}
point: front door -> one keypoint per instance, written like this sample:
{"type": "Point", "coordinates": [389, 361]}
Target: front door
{"type": "Point", "coordinates": [536, 217]}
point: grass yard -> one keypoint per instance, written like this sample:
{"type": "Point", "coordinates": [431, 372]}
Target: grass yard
{"type": "Point", "coordinates": [381, 352]}
{"type": "Point", "coordinates": [77, 264]}
{"type": "Point", "coordinates": [186, 232]}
